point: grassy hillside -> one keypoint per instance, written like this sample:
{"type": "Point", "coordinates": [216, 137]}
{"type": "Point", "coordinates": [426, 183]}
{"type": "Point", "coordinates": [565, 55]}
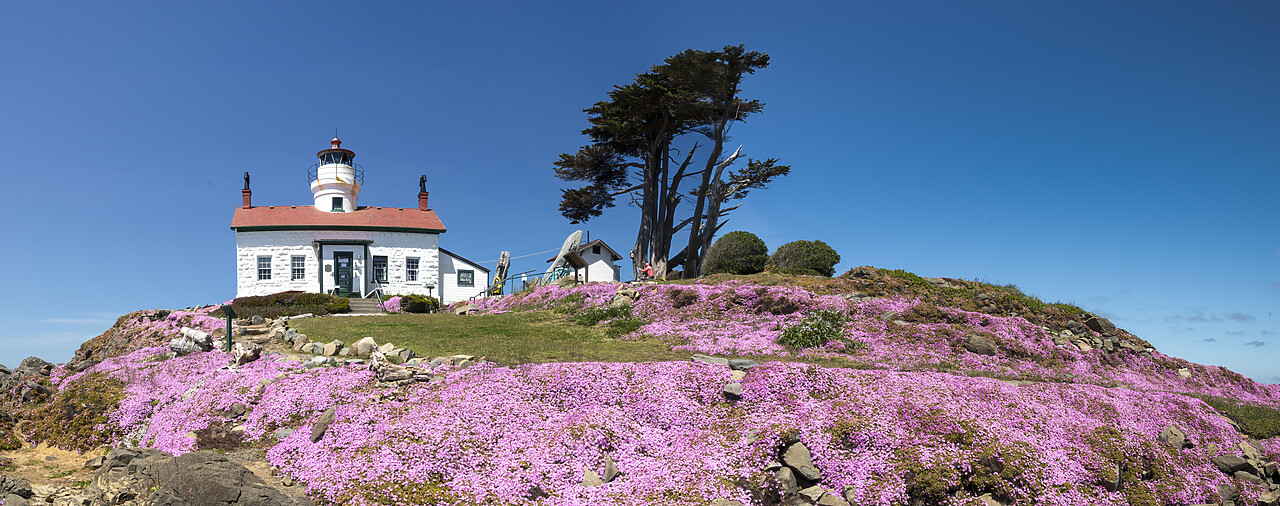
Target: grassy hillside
{"type": "Point", "coordinates": [902, 390]}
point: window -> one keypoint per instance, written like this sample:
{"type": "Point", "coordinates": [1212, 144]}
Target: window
{"type": "Point", "coordinates": [264, 268]}
{"type": "Point", "coordinates": [337, 203]}
{"type": "Point", "coordinates": [595, 249]}
{"type": "Point", "coordinates": [380, 269]}
{"type": "Point", "coordinates": [411, 269]}
{"type": "Point", "coordinates": [298, 267]}
{"type": "Point", "coordinates": [466, 278]}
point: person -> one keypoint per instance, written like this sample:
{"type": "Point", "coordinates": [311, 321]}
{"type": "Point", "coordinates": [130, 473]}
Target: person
{"type": "Point", "coordinates": [647, 270]}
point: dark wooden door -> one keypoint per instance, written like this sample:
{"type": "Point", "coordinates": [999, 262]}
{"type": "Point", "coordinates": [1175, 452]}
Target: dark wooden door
{"type": "Point", "coordinates": [342, 271]}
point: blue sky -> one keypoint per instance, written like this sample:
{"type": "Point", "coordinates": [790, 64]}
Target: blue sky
{"type": "Point", "coordinates": [1124, 156]}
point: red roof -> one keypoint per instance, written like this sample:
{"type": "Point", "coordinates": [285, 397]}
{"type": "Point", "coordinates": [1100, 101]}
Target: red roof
{"type": "Point", "coordinates": [308, 217]}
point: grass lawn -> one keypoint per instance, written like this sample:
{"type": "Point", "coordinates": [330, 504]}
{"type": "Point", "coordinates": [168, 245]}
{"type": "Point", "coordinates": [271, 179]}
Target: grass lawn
{"type": "Point", "coordinates": [505, 338]}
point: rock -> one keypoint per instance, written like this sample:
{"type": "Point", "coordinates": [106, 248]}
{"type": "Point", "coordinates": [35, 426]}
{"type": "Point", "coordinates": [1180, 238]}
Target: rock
{"type": "Point", "coordinates": [1229, 464]}
{"type": "Point", "coordinates": [183, 346]}
{"type": "Point", "coordinates": [1099, 324]}
{"type": "Point", "coordinates": [864, 272]}
{"type": "Point", "coordinates": [332, 348]}
{"type": "Point", "coordinates": [709, 359]}
{"type": "Point", "coordinates": [1228, 493]}
{"type": "Point", "coordinates": [465, 364]}
{"type": "Point", "coordinates": [738, 375]}
{"type": "Point", "coordinates": [465, 309]}
{"type": "Point", "coordinates": [366, 346]}
{"type": "Point", "coordinates": [1269, 499]}
{"type": "Point", "coordinates": [786, 481]}
{"type": "Point", "coordinates": [1173, 436]}
{"type": "Point", "coordinates": [236, 410]}
{"type": "Point", "coordinates": [15, 500]}
{"type": "Point", "coordinates": [1212, 449]}
{"type": "Point", "coordinates": [386, 348]}
{"type": "Point", "coordinates": [742, 364]}
{"type": "Point", "coordinates": [888, 316]}
{"type": "Point", "coordinates": [291, 335]}
{"type": "Point", "coordinates": [725, 502]}
{"type": "Point", "coordinates": [459, 359]}
{"type": "Point", "coordinates": [37, 365]}
{"type": "Point", "coordinates": [1269, 470]}
{"type": "Point", "coordinates": [610, 469]}
{"type": "Point", "coordinates": [981, 345]}
{"type": "Point", "coordinates": [813, 494]}
{"type": "Point", "coordinates": [1184, 373]}
{"type": "Point", "coordinates": [1247, 476]}
{"type": "Point", "coordinates": [733, 391]}
{"type": "Point", "coordinates": [1249, 451]}
{"type": "Point", "coordinates": [327, 418]}
{"type": "Point", "coordinates": [4, 371]}
{"type": "Point", "coordinates": [95, 462]}
{"type": "Point", "coordinates": [199, 478]}
{"type": "Point", "coordinates": [17, 488]}
{"type": "Point", "coordinates": [1082, 345]}
{"type": "Point", "coordinates": [591, 479]}
{"type": "Point", "coordinates": [257, 320]}
{"type": "Point", "coordinates": [988, 500]}
{"type": "Point", "coordinates": [798, 458]}
{"type": "Point", "coordinates": [831, 499]}
{"type": "Point", "coordinates": [242, 354]}
{"type": "Point", "coordinates": [283, 432]}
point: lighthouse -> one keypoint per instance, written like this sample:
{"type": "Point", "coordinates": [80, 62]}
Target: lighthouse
{"type": "Point", "coordinates": [336, 179]}
{"type": "Point", "coordinates": [339, 247]}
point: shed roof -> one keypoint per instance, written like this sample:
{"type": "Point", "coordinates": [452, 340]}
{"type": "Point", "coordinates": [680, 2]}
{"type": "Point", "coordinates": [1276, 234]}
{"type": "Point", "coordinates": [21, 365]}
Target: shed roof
{"type": "Point", "coordinates": [615, 256]}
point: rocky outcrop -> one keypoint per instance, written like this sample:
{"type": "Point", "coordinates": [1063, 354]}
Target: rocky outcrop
{"type": "Point", "coordinates": [144, 476]}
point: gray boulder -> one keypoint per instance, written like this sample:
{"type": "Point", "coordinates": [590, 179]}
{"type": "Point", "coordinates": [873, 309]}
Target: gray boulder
{"type": "Point", "coordinates": [332, 348]}
{"type": "Point", "coordinates": [258, 320]}
{"type": "Point", "coordinates": [706, 359]}
{"type": "Point", "coordinates": [981, 345]}
{"type": "Point", "coordinates": [242, 354]}
{"type": "Point", "coordinates": [183, 346]}
{"type": "Point", "coordinates": [798, 458]}
{"type": "Point", "coordinates": [322, 425]}
{"type": "Point", "coordinates": [733, 390]}
{"type": "Point", "coordinates": [1174, 437]}
{"type": "Point", "coordinates": [366, 346]}
{"type": "Point", "coordinates": [146, 476]}
{"type": "Point", "coordinates": [742, 364]}
{"type": "Point", "coordinates": [1229, 464]}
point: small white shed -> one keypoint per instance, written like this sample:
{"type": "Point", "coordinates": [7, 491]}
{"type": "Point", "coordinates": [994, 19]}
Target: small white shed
{"type": "Point", "coordinates": [600, 260]}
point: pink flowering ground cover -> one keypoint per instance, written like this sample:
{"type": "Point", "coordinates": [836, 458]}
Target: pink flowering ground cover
{"type": "Point", "coordinates": [492, 435]}
{"type": "Point", "coordinates": [742, 319]}
{"type": "Point", "coordinates": [918, 418]}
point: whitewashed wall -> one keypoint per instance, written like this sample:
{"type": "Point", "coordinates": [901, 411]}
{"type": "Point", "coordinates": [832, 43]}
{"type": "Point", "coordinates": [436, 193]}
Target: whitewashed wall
{"type": "Point", "coordinates": [449, 267]}
{"type": "Point", "coordinates": [281, 245]}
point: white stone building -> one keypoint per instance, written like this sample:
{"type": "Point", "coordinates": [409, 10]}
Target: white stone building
{"type": "Point", "coordinates": [337, 246]}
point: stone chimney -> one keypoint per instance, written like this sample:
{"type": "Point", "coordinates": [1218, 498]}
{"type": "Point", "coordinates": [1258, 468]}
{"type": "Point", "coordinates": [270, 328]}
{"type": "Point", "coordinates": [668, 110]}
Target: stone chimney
{"type": "Point", "coordinates": [246, 193]}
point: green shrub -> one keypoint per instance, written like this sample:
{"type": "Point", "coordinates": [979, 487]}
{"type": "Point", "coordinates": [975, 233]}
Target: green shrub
{"type": "Point", "coordinates": [419, 304]}
{"type": "Point", "coordinates": [621, 321]}
{"type": "Point", "coordinates": [287, 304]}
{"type": "Point", "coordinates": [1259, 422]}
{"type": "Point", "coordinates": [801, 257]}
{"type": "Point", "coordinates": [817, 329]}
{"type": "Point", "coordinates": [737, 253]}
{"type": "Point", "coordinates": [76, 418]}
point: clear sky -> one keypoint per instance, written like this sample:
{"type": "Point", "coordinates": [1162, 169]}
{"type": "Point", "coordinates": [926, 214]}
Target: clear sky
{"type": "Point", "coordinates": [1124, 156]}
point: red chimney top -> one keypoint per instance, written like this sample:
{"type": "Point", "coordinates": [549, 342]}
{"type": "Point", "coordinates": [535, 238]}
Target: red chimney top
{"type": "Point", "coordinates": [335, 143]}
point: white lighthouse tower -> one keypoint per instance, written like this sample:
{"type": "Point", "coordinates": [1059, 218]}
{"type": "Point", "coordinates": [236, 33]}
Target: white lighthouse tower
{"type": "Point", "coordinates": [336, 179]}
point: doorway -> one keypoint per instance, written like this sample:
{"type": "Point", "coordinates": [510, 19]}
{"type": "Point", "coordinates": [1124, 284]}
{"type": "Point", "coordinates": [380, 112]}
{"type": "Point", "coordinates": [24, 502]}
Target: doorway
{"type": "Point", "coordinates": [342, 272]}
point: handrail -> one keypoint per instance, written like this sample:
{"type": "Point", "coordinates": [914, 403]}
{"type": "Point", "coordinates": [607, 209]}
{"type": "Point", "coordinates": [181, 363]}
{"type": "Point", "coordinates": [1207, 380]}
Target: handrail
{"type": "Point", "coordinates": [313, 172]}
{"type": "Point", "coordinates": [377, 292]}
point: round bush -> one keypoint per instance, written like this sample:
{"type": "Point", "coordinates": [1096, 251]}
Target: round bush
{"type": "Point", "coordinates": [419, 304]}
{"type": "Point", "coordinates": [737, 253]}
{"type": "Point", "coordinates": [806, 257]}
